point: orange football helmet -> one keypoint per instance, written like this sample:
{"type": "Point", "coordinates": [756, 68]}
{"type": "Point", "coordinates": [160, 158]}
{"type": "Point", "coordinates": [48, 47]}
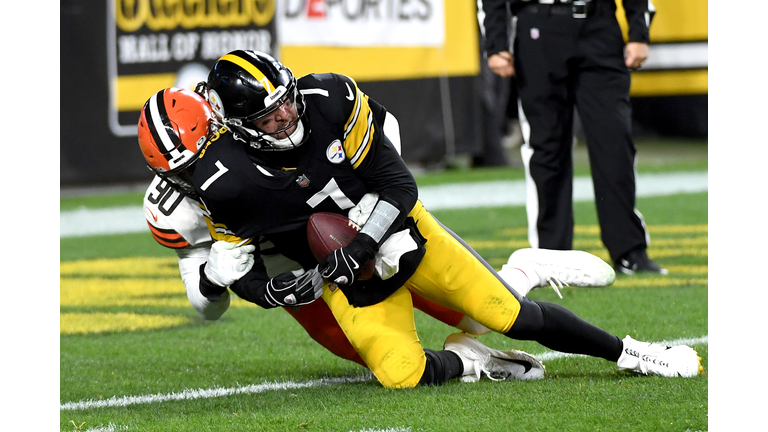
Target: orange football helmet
{"type": "Point", "coordinates": [174, 125]}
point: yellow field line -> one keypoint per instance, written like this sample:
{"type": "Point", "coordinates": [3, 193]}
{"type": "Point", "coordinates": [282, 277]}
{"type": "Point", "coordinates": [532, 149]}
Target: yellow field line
{"type": "Point", "coordinates": [83, 323]}
{"type": "Point", "coordinates": [155, 281]}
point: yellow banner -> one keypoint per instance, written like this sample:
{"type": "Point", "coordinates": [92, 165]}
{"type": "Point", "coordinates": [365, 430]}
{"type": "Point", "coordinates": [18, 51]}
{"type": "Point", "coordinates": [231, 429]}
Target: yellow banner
{"type": "Point", "coordinates": [460, 56]}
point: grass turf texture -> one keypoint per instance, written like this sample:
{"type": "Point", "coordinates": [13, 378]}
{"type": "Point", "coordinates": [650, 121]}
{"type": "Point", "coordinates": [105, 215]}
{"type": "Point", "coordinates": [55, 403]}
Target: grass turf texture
{"type": "Point", "coordinates": [154, 344]}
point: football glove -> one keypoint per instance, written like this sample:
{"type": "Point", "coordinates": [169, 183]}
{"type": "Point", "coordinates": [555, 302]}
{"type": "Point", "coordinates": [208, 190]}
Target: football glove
{"type": "Point", "coordinates": [294, 288]}
{"type": "Point", "coordinates": [343, 266]}
{"type": "Point", "coordinates": [228, 262]}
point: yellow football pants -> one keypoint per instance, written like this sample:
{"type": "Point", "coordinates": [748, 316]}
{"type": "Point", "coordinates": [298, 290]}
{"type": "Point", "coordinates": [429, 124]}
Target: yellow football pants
{"type": "Point", "coordinates": [385, 335]}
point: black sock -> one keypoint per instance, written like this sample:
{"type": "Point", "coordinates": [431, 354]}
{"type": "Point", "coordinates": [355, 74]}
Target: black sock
{"type": "Point", "coordinates": [559, 329]}
{"type": "Point", "coordinates": [441, 367]}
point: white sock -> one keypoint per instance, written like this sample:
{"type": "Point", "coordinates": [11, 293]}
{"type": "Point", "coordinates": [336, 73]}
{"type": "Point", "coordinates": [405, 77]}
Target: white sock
{"type": "Point", "coordinates": [468, 325]}
{"type": "Point", "coordinates": [469, 365]}
{"type": "Point", "coordinates": [520, 278]}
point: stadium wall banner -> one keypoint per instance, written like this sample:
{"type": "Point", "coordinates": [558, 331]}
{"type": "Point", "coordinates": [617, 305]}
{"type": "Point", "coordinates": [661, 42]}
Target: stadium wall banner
{"type": "Point", "coordinates": [109, 70]}
{"type": "Point", "coordinates": [670, 92]}
{"type": "Point", "coordinates": [362, 23]}
{"type": "Point", "coordinates": [419, 58]}
{"type": "Point", "coordinates": [157, 44]}
{"type": "Point", "coordinates": [404, 53]}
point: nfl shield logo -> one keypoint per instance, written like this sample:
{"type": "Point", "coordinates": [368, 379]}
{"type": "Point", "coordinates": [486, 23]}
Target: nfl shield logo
{"type": "Point", "coordinates": [335, 152]}
{"type": "Point", "coordinates": [534, 33]}
{"type": "Point", "coordinates": [303, 181]}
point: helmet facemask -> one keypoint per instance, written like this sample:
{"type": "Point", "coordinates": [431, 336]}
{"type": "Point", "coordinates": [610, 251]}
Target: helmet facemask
{"type": "Point", "coordinates": [174, 126]}
{"type": "Point", "coordinates": [182, 181]}
{"type": "Point", "coordinates": [246, 86]}
{"type": "Point", "coordinates": [264, 141]}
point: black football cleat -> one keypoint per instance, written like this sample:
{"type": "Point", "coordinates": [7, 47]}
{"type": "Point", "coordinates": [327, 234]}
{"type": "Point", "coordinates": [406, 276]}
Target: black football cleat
{"type": "Point", "coordinates": [637, 261]}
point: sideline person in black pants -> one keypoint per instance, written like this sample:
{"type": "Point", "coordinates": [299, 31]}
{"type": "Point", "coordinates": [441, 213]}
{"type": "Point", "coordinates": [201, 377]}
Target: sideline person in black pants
{"type": "Point", "coordinates": [572, 54]}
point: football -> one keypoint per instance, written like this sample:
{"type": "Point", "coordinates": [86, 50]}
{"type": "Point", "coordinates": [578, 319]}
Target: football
{"type": "Point", "coordinates": [327, 232]}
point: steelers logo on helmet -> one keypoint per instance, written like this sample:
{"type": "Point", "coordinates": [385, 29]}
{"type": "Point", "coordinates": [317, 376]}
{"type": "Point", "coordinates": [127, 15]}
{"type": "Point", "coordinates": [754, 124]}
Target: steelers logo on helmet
{"type": "Point", "coordinates": [215, 101]}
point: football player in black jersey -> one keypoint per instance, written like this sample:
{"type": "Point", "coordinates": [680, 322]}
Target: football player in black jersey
{"type": "Point", "coordinates": [294, 147]}
{"type": "Point", "coordinates": [176, 220]}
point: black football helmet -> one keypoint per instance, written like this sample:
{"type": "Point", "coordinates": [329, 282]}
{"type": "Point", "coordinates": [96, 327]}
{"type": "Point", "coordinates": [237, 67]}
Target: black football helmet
{"type": "Point", "coordinates": [246, 85]}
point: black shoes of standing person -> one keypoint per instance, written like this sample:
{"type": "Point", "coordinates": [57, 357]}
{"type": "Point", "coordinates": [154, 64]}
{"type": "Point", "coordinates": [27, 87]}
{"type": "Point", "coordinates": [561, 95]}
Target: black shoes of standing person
{"type": "Point", "coordinates": [637, 261]}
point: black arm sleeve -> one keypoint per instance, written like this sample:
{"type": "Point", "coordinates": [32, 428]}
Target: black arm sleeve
{"type": "Point", "coordinates": [253, 285]}
{"type": "Point", "coordinates": [385, 173]}
{"type": "Point", "coordinates": [496, 25]}
{"type": "Point", "coordinates": [639, 15]}
{"type": "Point", "coordinates": [381, 168]}
{"type": "Point", "coordinates": [378, 110]}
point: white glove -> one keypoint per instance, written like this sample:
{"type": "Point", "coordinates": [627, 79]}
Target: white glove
{"type": "Point", "coordinates": [359, 214]}
{"type": "Point", "coordinates": [228, 262]}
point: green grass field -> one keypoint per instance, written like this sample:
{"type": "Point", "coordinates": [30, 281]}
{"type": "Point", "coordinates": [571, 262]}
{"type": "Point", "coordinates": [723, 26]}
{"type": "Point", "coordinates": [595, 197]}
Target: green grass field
{"type": "Point", "coordinates": [134, 356]}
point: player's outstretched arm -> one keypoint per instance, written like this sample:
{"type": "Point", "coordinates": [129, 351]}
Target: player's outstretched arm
{"type": "Point", "coordinates": [190, 260]}
{"type": "Point", "coordinates": [292, 288]}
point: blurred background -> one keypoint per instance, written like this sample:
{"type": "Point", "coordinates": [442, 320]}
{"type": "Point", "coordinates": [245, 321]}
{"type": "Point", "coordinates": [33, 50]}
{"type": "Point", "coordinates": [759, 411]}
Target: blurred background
{"type": "Point", "coordinates": [422, 59]}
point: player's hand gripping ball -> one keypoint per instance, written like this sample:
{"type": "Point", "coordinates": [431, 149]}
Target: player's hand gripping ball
{"type": "Point", "coordinates": [328, 232]}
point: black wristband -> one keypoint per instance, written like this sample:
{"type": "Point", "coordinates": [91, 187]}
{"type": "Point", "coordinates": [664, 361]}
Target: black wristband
{"type": "Point", "coordinates": [369, 244]}
{"type": "Point", "coordinates": [210, 290]}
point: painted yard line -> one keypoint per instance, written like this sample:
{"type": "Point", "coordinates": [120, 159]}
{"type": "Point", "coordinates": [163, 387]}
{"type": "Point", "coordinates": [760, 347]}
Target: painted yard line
{"type": "Point", "coordinates": [260, 388]}
{"type": "Point", "coordinates": [208, 393]}
{"type": "Point", "coordinates": [394, 429]}
{"type": "Point", "coordinates": [122, 220]}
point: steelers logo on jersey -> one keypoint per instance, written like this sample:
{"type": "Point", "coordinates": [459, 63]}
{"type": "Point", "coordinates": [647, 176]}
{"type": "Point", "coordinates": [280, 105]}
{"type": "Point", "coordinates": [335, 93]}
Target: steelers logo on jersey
{"type": "Point", "coordinates": [335, 152]}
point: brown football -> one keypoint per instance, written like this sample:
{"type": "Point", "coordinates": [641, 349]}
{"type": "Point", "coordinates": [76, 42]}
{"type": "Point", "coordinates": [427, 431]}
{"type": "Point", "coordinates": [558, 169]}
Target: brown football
{"type": "Point", "coordinates": [327, 232]}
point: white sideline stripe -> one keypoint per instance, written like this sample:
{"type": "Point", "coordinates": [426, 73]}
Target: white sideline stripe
{"type": "Point", "coordinates": [115, 401]}
{"type": "Point", "coordinates": [131, 219]}
{"type": "Point", "coordinates": [114, 220]}
{"type": "Point", "coordinates": [513, 192]}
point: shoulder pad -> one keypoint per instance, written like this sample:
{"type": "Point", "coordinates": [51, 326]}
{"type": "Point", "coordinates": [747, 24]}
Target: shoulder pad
{"type": "Point", "coordinates": [175, 220]}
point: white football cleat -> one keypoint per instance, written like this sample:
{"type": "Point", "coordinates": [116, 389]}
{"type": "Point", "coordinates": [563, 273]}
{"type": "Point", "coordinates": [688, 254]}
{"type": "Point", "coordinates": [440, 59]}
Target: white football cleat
{"type": "Point", "coordinates": [558, 268]}
{"type": "Point", "coordinates": [656, 359]}
{"type": "Point", "coordinates": [497, 365]}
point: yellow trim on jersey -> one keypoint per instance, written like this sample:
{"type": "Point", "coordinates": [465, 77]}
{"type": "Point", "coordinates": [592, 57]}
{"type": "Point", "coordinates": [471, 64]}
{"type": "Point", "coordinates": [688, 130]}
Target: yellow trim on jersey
{"type": "Point", "coordinates": [220, 232]}
{"type": "Point", "coordinates": [251, 69]}
{"type": "Point", "coordinates": [359, 129]}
